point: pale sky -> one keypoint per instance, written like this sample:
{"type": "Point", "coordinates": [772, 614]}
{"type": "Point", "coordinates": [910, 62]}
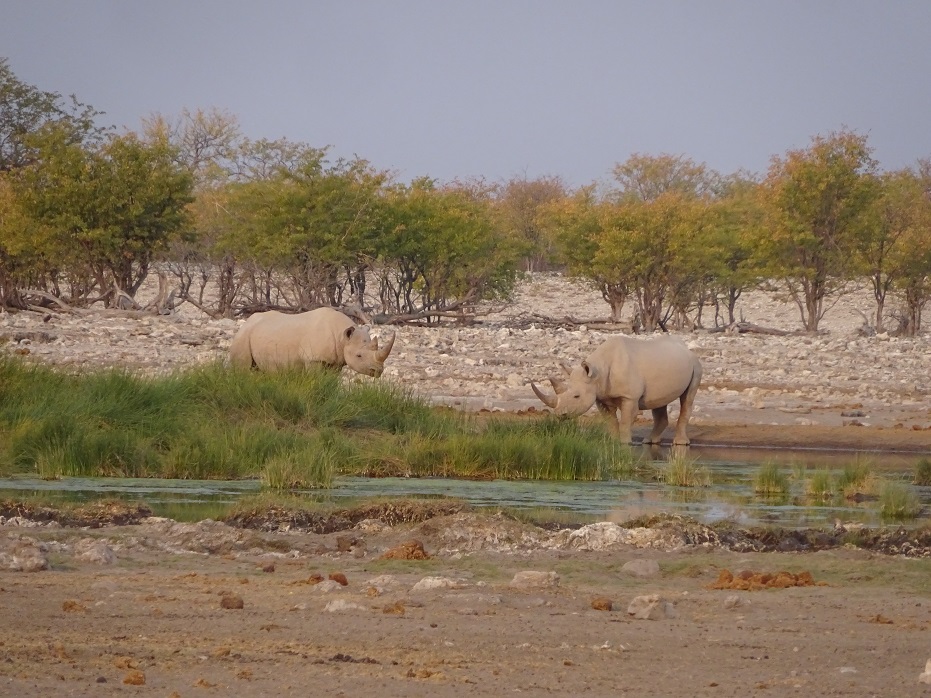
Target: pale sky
{"type": "Point", "coordinates": [500, 88]}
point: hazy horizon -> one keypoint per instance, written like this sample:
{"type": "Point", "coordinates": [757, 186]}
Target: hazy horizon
{"type": "Point", "coordinates": [500, 89]}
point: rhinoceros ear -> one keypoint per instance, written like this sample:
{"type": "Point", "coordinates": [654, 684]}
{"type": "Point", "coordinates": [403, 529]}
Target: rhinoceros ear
{"type": "Point", "coordinates": [590, 371]}
{"type": "Point", "coordinates": [349, 332]}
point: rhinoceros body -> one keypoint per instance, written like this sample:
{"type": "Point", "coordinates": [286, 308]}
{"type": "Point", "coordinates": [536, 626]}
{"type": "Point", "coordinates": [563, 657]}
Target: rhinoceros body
{"type": "Point", "coordinates": [275, 340]}
{"type": "Point", "coordinates": [625, 375]}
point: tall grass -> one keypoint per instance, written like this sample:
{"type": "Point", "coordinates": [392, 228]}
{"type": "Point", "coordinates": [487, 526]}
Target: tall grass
{"type": "Point", "coordinates": [682, 471]}
{"type": "Point", "coordinates": [923, 473]}
{"type": "Point", "coordinates": [898, 501]}
{"type": "Point", "coordinates": [770, 479]}
{"type": "Point", "coordinates": [820, 485]}
{"type": "Point", "coordinates": [294, 429]}
{"type": "Point", "coordinates": [858, 478]}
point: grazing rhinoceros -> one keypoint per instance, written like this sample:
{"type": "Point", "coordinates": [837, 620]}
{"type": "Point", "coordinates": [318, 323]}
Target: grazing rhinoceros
{"type": "Point", "coordinates": [325, 336]}
{"type": "Point", "coordinates": [630, 375]}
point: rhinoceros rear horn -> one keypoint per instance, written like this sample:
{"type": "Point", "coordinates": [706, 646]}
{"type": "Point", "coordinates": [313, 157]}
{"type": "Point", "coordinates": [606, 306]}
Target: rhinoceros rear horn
{"type": "Point", "coordinates": [558, 385]}
{"type": "Point", "coordinates": [565, 369]}
{"type": "Point", "coordinates": [547, 400]}
{"type": "Point", "coordinates": [382, 353]}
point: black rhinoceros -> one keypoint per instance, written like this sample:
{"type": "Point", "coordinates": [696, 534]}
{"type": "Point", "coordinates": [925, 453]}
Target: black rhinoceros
{"type": "Point", "coordinates": [625, 375]}
{"type": "Point", "coordinates": [274, 340]}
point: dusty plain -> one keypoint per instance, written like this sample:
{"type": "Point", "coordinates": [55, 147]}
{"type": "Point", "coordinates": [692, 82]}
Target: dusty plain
{"type": "Point", "coordinates": [135, 605]}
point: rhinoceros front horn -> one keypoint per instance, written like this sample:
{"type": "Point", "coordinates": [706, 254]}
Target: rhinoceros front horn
{"type": "Point", "coordinates": [382, 353]}
{"type": "Point", "coordinates": [547, 400]}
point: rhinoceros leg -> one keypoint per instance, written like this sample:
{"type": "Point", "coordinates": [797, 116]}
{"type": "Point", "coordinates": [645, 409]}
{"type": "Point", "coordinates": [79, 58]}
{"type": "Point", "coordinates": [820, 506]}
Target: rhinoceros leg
{"type": "Point", "coordinates": [660, 422]}
{"type": "Point", "coordinates": [625, 420]}
{"type": "Point", "coordinates": [686, 401]}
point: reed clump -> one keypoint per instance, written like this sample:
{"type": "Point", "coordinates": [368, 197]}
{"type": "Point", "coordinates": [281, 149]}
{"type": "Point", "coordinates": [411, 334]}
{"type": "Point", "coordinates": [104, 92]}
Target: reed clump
{"type": "Point", "coordinates": [292, 429]}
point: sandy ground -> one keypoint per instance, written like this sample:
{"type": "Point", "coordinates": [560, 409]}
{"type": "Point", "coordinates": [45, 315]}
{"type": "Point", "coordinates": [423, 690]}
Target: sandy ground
{"type": "Point", "coordinates": [153, 622]}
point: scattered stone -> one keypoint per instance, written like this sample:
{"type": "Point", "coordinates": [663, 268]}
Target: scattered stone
{"type": "Point", "coordinates": [23, 557]}
{"type": "Point", "coordinates": [732, 601]}
{"type": "Point", "coordinates": [268, 567]}
{"type": "Point", "coordinates": [97, 551]}
{"type": "Point", "coordinates": [651, 607]}
{"type": "Point", "coordinates": [602, 604]}
{"type": "Point", "coordinates": [925, 677]}
{"type": "Point", "coordinates": [327, 586]}
{"type": "Point", "coordinates": [231, 601]}
{"type": "Point", "coordinates": [532, 579]}
{"type": "Point", "coordinates": [747, 580]}
{"type": "Point", "coordinates": [383, 583]}
{"type": "Point", "coordinates": [339, 578]}
{"type": "Point", "coordinates": [340, 605]}
{"type": "Point", "coordinates": [641, 567]}
{"type": "Point", "coordinates": [433, 583]}
{"type": "Point", "coordinates": [393, 609]}
{"type": "Point", "coordinates": [134, 678]}
{"type": "Point", "coordinates": [73, 607]}
{"type": "Point", "coordinates": [410, 550]}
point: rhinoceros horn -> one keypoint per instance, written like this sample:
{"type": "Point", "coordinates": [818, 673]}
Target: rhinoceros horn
{"type": "Point", "coordinates": [547, 400]}
{"type": "Point", "coordinates": [559, 386]}
{"type": "Point", "coordinates": [382, 354]}
{"type": "Point", "coordinates": [565, 369]}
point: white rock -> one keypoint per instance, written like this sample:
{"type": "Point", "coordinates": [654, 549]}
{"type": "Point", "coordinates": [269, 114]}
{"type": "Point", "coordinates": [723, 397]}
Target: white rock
{"type": "Point", "coordinates": [533, 579]}
{"type": "Point", "coordinates": [431, 583]}
{"type": "Point", "coordinates": [651, 607]}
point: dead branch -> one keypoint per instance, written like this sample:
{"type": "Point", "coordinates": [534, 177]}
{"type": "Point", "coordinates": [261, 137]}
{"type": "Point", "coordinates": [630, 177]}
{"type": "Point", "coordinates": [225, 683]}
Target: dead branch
{"type": "Point", "coordinates": [749, 328]}
{"type": "Point", "coordinates": [568, 322]}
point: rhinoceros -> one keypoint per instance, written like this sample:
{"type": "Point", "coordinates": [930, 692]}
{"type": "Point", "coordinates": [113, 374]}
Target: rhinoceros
{"type": "Point", "coordinates": [625, 375]}
{"type": "Point", "coordinates": [274, 340]}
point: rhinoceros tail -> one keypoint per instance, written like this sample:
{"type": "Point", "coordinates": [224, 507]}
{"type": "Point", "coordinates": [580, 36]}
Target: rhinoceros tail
{"type": "Point", "coordinates": [241, 349]}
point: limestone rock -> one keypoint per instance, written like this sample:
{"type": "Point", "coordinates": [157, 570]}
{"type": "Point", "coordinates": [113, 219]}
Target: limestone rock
{"type": "Point", "coordinates": [533, 579]}
{"type": "Point", "coordinates": [641, 567]}
{"type": "Point", "coordinates": [651, 607]}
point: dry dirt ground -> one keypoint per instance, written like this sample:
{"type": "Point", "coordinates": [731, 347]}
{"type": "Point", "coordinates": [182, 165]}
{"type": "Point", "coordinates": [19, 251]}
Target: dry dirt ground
{"type": "Point", "coordinates": [166, 609]}
{"type": "Point", "coordinates": [151, 608]}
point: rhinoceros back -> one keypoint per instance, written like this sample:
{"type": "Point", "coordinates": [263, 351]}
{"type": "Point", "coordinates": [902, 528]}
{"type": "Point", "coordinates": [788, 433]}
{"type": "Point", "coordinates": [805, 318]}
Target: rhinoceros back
{"type": "Point", "coordinates": [278, 340]}
{"type": "Point", "coordinates": [653, 371]}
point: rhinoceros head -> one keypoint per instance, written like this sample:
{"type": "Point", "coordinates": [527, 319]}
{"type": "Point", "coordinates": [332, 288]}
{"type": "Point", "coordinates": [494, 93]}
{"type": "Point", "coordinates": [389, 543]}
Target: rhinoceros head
{"type": "Point", "coordinates": [362, 353]}
{"type": "Point", "coordinates": [575, 395]}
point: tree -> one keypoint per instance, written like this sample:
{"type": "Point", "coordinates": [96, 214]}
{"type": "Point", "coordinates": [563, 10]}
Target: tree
{"type": "Point", "coordinates": [912, 254]}
{"type": "Point", "coordinates": [26, 110]}
{"type": "Point", "coordinates": [440, 251]}
{"type": "Point", "coordinates": [815, 200]}
{"type": "Point", "coordinates": [647, 177]}
{"type": "Point", "coordinates": [520, 204]}
{"type": "Point", "coordinates": [111, 207]}
{"type": "Point", "coordinates": [732, 265]}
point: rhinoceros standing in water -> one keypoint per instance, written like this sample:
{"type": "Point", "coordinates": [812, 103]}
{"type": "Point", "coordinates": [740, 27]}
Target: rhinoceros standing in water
{"type": "Point", "coordinates": [626, 375]}
{"type": "Point", "coordinates": [325, 336]}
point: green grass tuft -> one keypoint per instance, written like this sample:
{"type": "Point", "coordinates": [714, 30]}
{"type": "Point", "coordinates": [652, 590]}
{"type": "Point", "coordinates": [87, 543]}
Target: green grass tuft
{"type": "Point", "coordinates": [923, 473]}
{"type": "Point", "coordinates": [898, 501]}
{"type": "Point", "coordinates": [682, 471]}
{"type": "Point", "coordinates": [770, 479]}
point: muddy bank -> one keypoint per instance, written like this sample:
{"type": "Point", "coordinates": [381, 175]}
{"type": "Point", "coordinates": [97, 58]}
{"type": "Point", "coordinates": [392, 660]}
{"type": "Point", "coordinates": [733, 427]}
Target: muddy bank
{"type": "Point", "coordinates": [453, 522]}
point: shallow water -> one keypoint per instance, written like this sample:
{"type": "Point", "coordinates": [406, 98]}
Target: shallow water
{"type": "Point", "coordinates": [731, 496]}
